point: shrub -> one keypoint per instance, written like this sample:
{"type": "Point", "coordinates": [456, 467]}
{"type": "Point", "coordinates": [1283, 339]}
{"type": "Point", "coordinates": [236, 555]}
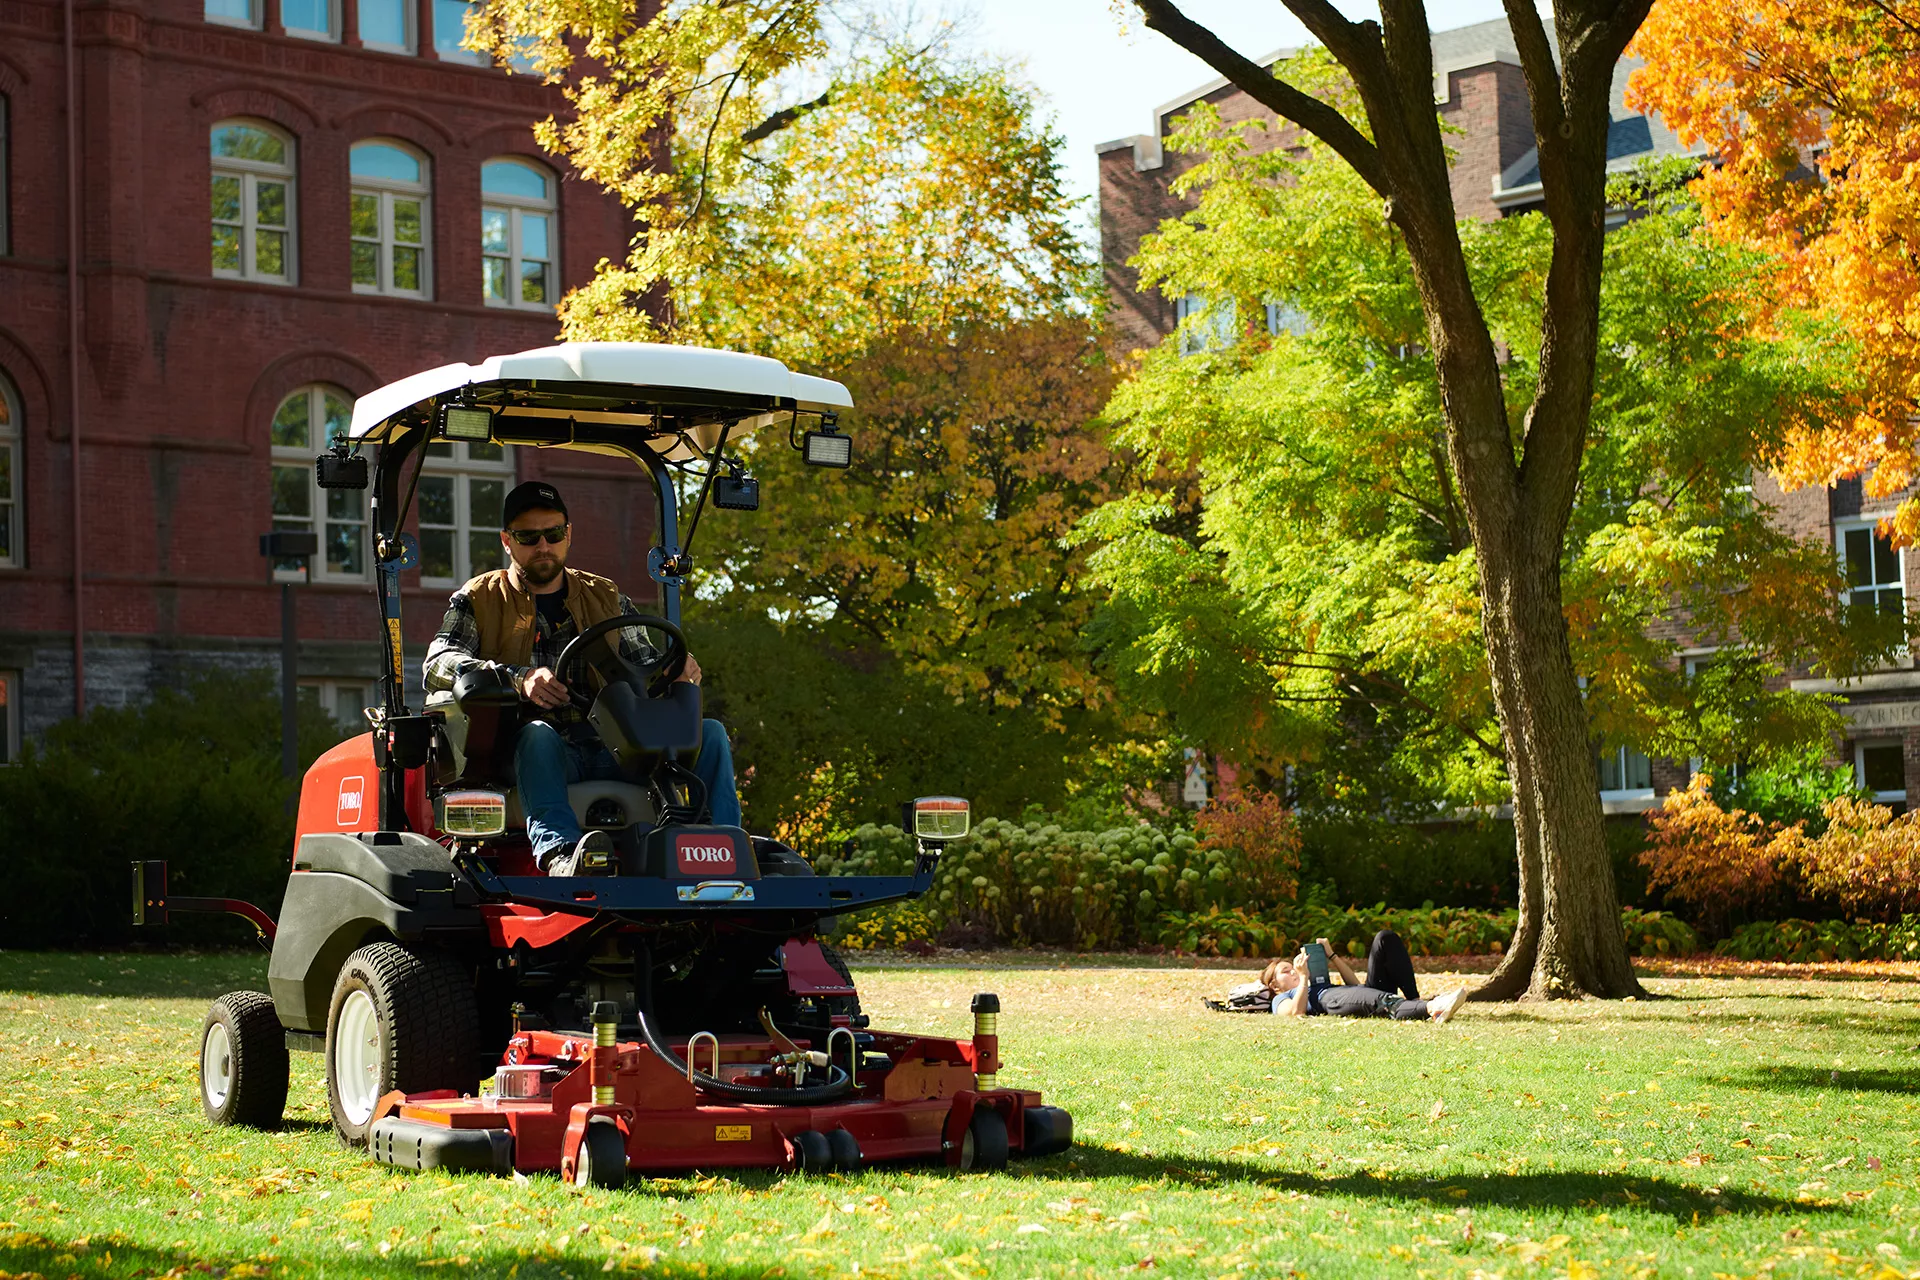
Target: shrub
{"type": "Point", "coordinates": [1258, 834]}
{"type": "Point", "coordinates": [1366, 858]}
{"type": "Point", "coordinates": [1427, 930]}
{"type": "Point", "coordinates": [1811, 940]}
{"type": "Point", "coordinates": [1221, 931]}
{"type": "Point", "coordinates": [1657, 933]}
{"type": "Point", "coordinates": [1792, 790]}
{"type": "Point", "coordinates": [1714, 858]}
{"type": "Point", "coordinates": [900, 924]}
{"type": "Point", "coordinates": [1867, 860]}
{"type": "Point", "coordinates": [192, 777]}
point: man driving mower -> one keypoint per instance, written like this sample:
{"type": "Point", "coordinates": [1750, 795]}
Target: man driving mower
{"type": "Point", "coordinates": [519, 619]}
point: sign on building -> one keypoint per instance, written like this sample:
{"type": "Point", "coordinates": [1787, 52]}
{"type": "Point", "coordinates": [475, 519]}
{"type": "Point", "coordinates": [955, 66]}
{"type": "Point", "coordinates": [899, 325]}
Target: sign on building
{"type": "Point", "coordinates": [1194, 792]}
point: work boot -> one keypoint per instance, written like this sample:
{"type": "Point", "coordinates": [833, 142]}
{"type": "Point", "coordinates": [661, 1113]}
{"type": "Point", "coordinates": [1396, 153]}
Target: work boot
{"type": "Point", "coordinates": [591, 855]}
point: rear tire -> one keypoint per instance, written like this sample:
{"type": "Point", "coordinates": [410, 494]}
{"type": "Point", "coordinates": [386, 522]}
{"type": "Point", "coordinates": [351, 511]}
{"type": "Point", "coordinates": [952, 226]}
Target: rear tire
{"type": "Point", "coordinates": [399, 1019]}
{"type": "Point", "coordinates": [985, 1145]}
{"type": "Point", "coordinates": [243, 1062]}
{"type": "Point", "coordinates": [603, 1159]}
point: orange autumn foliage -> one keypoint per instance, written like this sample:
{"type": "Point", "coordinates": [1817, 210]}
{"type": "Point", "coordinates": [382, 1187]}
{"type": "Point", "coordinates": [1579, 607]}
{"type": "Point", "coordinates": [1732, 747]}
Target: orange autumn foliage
{"type": "Point", "coordinates": [1868, 860]}
{"type": "Point", "coordinates": [1778, 88]}
{"type": "Point", "coordinates": [1715, 858]}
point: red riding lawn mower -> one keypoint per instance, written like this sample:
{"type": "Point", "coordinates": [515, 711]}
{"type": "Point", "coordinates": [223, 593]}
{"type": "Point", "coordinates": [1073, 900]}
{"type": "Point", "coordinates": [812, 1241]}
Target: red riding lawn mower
{"type": "Point", "coordinates": [679, 1013]}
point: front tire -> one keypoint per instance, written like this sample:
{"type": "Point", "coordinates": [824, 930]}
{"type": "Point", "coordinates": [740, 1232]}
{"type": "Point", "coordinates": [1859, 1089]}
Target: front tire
{"type": "Point", "coordinates": [243, 1062]}
{"type": "Point", "coordinates": [399, 1019]}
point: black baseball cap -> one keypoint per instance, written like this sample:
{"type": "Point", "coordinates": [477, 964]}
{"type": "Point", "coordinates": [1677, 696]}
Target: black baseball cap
{"type": "Point", "coordinates": [533, 495]}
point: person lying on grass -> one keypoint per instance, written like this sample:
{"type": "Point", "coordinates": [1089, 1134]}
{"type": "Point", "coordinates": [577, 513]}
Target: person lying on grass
{"type": "Point", "coordinates": [1390, 988]}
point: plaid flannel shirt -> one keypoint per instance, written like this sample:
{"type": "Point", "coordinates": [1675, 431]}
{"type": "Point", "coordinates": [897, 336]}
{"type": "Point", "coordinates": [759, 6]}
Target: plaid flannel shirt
{"type": "Point", "coordinates": [456, 650]}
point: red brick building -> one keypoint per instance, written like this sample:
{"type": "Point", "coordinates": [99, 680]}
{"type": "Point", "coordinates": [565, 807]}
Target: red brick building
{"type": "Point", "coordinates": [1479, 90]}
{"type": "Point", "coordinates": [278, 205]}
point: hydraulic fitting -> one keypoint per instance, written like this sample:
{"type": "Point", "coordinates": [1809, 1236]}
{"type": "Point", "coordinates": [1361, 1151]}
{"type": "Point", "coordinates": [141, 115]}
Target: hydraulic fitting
{"type": "Point", "coordinates": [606, 1019]}
{"type": "Point", "coordinates": [986, 1041]}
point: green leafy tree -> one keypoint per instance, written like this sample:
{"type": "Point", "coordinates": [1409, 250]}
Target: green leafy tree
{"type": "Point", "coordinates": [1327, 587]}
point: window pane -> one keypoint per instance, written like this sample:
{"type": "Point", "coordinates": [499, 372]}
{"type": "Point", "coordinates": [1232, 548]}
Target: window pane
{"type": "Point", "coordinates": [1610, 770]}
{"type": "Point", "coordinates": [6, 531]}
{"type": "Point", "coordinates": [365, 216]}
{"type": "Point", "coordinates": [406, 269]}
{"type": "Point", "coordinates": [440, 449]}
{"type": "Point", "coordinates": [290, 424]}
{"type": "Point", "coordinates": [339, 417]}
{"type": "Point", "coordinates": [226, 248]}
{"type": "Point", "coordinates": [366, 263]}
{"type": "Point", "coordinates": [1886, 561]}
{"type": "Point", "coordinates": [436, 500]}
{"type": "Point", "coordinates": [493, 230]}
{"type": "Point", "coordinates": [6, 473]}
{"type": "Point", "coordinates": [406, 221]}
{"type": "Point", "coordinates": [1639, 771]}
{"type": "Point", "coordinates": [436, 553]}
{"type": "Point", "coordinates": [505, 178]}
{"type": "Point", "coordinates": [345, 504]}
{"type": "Point", "coordinates": [244, 142]}
{"type": "Point", "coordinates": [533, 282]}
{"type": "Point", "coordinates": [343, 548]}
{"type": "Point", "coordinates": [383, 22]}
{"type": "Point", "coordinates": [449, 26]}
{"type": "Point", "coordinates": [483, 452]}
{"type": "Point", "coordinates": [494, 285]}
{"type": "Point", "coordinates": [270, 253]}
{"type": "Point", "coordinates": [226, 198]}
{"type": "Point", "coordinates": [483, 505]}
{"type": "Point", "coordinates": [379, 160]}
{"type": "Point", "coordinates": [231, 10]}
{"type": "Point", "coordinates": [1884, 768]}
{"type": "Point", "coordinates": [533, 237]}
{"type": "Point", "coordinates": [292, 496]}
{"type": "Point", "coordinates": [484, 552]}
{"type": "Point", "coordinates": [307, 15]}
{"type": "Point", "coordinates": [270, 204]}
{"type": "Point", "coordinates": [1859, 545]}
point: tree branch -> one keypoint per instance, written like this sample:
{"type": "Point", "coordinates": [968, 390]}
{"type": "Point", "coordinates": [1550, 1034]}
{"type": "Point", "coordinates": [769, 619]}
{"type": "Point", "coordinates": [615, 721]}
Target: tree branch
{"type": "Point", "coordinates": [784, 117]}
{"type": "Point", "coordinates": [1310, 113]}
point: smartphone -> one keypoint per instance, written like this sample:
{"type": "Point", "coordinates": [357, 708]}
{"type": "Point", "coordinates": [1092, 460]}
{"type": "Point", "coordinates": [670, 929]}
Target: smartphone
{"type": "Point", "coordinates": [1318, 970]}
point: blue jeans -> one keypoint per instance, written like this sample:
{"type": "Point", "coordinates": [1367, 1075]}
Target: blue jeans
{"type": "Point", "coordinates": [545, 764]}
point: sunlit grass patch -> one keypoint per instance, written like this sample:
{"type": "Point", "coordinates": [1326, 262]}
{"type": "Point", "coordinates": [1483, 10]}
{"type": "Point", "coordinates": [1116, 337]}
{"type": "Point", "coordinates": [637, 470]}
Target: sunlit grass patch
{"type": "Point", "coordinates": [1736, 1125]}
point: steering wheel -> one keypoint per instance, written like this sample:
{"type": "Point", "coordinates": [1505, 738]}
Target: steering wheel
{"type": "Point", "coordinates": [611, 664]}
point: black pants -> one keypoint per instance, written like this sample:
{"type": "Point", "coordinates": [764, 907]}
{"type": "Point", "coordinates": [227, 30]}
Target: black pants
{"type": "Point", "coordinates": [1391, 988]}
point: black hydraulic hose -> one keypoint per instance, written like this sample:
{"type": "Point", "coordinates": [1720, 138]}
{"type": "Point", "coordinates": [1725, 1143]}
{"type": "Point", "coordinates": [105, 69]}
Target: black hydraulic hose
{"type": "Point", "coordinates": [838, 1084]}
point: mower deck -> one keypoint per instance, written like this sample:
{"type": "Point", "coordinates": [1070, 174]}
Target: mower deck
{"type": "Point", "coordinates": [913, 1100]}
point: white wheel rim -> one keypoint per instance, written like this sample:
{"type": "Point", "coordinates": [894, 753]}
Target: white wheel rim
{"type": "Point", "coordinates": [966, 1149]}
{"type": "Point", "coordinates": [356, 1053]}
{"type": "Point", "coordinates": [216, 1065]}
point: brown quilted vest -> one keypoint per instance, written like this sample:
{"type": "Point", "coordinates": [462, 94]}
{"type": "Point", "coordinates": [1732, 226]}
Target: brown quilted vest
{"type": "Point", "coordinates": [505, 613]}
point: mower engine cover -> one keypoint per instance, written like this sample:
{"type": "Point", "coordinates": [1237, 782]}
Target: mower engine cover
{"type": "Point", "coordinates": [701, 853]}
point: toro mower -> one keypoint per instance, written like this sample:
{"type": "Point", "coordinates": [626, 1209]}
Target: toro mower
{"type": "Point", "coordinates": [681, 1012]}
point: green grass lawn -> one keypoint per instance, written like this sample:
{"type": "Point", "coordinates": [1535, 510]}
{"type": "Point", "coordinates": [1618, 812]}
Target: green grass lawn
{"type": "Point", "coordinates": [1733, 1127]}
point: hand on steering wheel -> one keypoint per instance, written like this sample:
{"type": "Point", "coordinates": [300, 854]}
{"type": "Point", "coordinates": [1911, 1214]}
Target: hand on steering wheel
{"type": "Point", "coordinates": [612, 664]}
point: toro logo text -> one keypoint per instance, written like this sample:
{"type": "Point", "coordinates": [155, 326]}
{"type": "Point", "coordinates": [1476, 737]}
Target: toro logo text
{"type": "Point", "coordinates": [353, 793]}
{"type": "Point", "coordinates": [702, 854]}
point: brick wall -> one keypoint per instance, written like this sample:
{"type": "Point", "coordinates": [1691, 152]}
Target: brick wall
{"type": "Point", "coordinates": [180, 372]}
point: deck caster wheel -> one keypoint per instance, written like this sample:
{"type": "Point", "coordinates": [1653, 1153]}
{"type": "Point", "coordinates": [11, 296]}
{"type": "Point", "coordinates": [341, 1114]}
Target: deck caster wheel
{"type": "Point", "coordinates": [985, 1144]}
{"type": "Point", "coordinates": [812, 1153]}
{"type": "Point", "coordinates": [845, 1150]}
{"type": "Point", "coordinates": [243, 1062]}
{"type": "Point", "coordinates": [603, 1159]}
{"type": "Point", "coordinates": [1048, 1131]}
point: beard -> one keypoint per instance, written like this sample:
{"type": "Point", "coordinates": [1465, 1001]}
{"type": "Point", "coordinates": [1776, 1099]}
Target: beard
{"type": "Point", "coordinates": [543, 571]}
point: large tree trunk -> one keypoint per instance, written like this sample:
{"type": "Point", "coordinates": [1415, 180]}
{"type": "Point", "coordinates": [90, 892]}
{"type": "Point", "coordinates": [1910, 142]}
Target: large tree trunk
{"type": "Point", "coordinates": [1569, 939]}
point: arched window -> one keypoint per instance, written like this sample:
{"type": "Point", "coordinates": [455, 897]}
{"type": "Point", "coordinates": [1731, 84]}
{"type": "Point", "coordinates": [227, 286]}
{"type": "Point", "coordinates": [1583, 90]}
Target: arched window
{"type": "Point", "coordinates": [390, 214]}
{"type": "Point", "coordinates": [13, 542]}
{"type": "Point", "coordinates": [252, 202]}
{"type": "Point", "coordinates": [518, 235]}
{"type": "Point", "coordinates": [307, 422]}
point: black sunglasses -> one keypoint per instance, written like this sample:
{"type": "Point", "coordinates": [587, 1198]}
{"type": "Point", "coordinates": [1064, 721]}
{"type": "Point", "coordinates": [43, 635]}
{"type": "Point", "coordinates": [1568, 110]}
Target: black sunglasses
{"type": "Point", "coordinates": [531, 537]}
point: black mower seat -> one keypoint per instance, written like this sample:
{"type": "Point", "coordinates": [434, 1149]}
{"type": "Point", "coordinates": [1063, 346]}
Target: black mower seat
{"type": "Point", "coordinates": [604, 806]}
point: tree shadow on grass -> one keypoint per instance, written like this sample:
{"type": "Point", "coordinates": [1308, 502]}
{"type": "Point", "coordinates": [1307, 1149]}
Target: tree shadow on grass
{"type": "Point", "coordinates": [1879, 1019]}
{"type": "Point", "coordinates": [1825, 1079]}
{"type": "Point", "coordinates": [160, 975]}
{"type": "Point", "coordinates": [1532, 1189]}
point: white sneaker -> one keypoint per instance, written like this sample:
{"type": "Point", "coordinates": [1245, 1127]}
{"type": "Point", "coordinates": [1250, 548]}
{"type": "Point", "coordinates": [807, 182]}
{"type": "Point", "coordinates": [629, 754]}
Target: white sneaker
{"type": "Point", "coordinates": [1442, 1007]}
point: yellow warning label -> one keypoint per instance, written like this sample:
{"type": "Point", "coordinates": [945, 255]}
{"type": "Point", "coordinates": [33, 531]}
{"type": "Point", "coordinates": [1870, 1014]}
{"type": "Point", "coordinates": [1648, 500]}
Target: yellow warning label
{"type": "Point", "coordinates": [394, 647]}
{"type": "Point", "coordinates": [733, 1133]}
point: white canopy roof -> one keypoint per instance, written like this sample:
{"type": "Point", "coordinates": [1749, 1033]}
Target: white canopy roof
{"type": "Point", "coordinates": [559, 375]}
